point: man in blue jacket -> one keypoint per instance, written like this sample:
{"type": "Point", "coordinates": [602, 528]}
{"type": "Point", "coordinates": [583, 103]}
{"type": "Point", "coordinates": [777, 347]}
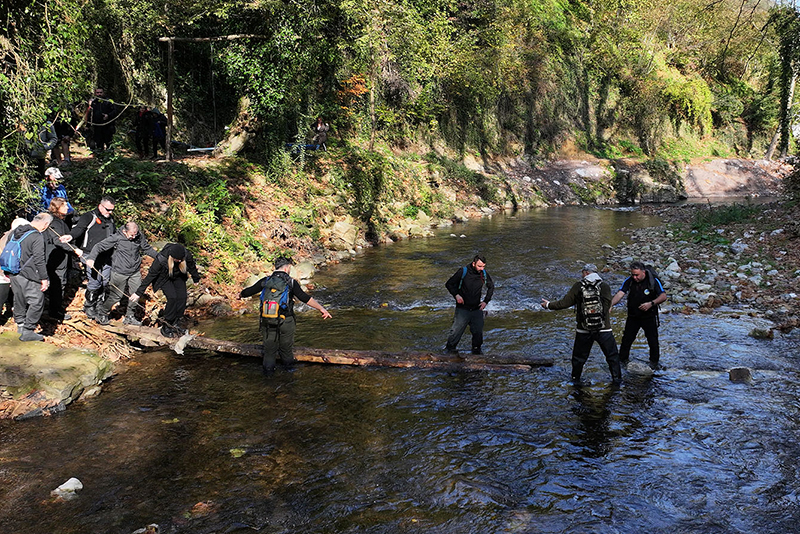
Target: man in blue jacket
{"type": "Point", "coordinates": [466, 286]}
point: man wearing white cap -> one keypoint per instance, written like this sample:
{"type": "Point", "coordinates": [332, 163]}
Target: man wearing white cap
{"type": "Point", "coordinates": [591, 297]}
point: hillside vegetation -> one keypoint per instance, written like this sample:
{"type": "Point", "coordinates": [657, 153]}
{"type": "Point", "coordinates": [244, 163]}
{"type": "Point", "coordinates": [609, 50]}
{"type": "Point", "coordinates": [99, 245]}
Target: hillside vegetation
{"type": "Point", "coordinates": [411, 88]}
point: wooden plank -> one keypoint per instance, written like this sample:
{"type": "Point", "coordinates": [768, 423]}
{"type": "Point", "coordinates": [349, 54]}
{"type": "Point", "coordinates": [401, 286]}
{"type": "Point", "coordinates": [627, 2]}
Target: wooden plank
{"type": "Point", "coordinates": [426, 360]}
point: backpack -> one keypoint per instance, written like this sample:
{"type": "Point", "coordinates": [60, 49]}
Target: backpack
{"type": "Point", "coordinates": [464, 273]}
{"type": "Point", "coordinates": [591, 305]}
{"type": "Point", "coordinates": [275, 300]}
{"type": "Point", "coordinates": [10, 257]}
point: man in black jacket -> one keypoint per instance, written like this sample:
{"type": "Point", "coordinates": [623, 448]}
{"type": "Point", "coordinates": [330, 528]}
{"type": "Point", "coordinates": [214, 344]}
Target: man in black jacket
{"type": "Point", "coordinates": [92, 228]}
{"type": "Point", "coordinates": [279, 338]}
{"type": "Point", "coordinates": [100, 115]}
{"type": "Point", "coordinates": [31, 282]}
{"type": "Point", "coordinates": [128, 245]}
{"type": "Point", "coordinates": [466, 285]}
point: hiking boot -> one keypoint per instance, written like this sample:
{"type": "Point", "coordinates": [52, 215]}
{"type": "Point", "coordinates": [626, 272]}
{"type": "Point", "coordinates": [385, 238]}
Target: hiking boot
{"type": "Point", "coordinates": [30, 335]}
{"type": "Point", "coordinates": [101, 319]}
{"type": "Point", "coordinates": [476, 350]}
{"type": "Point", "coordinates": [131, 320]}
{"type": "Point", "coordinates": [166, 331]}
{"type": "Point", "coordinates": [655, 366]}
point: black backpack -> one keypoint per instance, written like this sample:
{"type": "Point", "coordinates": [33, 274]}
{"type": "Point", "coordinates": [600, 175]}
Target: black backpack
{"type": "Point", "coordinates": [591, 305]}
{"type": "Point", "coordinates": [275, 300]}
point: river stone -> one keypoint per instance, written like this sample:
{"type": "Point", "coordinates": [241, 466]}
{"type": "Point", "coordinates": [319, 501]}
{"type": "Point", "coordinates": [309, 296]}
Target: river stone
{"type": "Point", "coordinates": [343, 236]}
{"type": "Point", "coordinates": [741, 375]}
{"type": "Point", "coordinates": [253, 278]}
{"type": "Point", "coordinates": [220, 308]}
{"type": "Point", "coordinates": [205, 299]}
{"type": "Point", "coordinates": [68, 490]}
{"type": "Point", "coordinates": [303, 270]}
{"type": "Point", "coordinates": [638, 368]}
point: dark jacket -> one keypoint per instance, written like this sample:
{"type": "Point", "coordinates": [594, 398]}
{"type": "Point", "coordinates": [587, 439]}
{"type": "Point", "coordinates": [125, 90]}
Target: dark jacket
{"type": "Point", "coordinates": [158, 275]}
{"type": "Point", "coordinates": [638, 293]}
{"type": "Point", "coordinates": [56, 252]}
{"type": "Point", "coordinates": [471, 287]}
{"type": "Point", "coordinates": [573, 298]}
{"type": "Point", "coordinates": [127, 256]}
{"type": "Point", "coordinates": [32, 258]}
{"type": "Point", "coordinates": [295, 290]}
{"type": "Point", "coordinates": [86, 234]}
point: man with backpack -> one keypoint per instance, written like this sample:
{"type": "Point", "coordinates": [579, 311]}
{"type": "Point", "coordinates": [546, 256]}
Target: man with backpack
{"type": "Point", "coordinates": [23, 260]}
{"type": "Point", "coordinates": [645, 293]}
{"type": "Point", "coordinates": [591, 297]}
{"type": "Point", "coordinates": [466, 286]}
{"type": "Point", "coordinates": [277, 321]}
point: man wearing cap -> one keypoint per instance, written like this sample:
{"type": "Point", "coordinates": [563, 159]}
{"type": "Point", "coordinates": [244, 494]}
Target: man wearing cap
{"type": "Point", "coordinates": [590, 328]}
{"type": "Point", "coordinates": [645, 293]}
{"type": "Point", "coordinates": [52, 188]}
{"type": "Point", "coordinates": [279, 339]}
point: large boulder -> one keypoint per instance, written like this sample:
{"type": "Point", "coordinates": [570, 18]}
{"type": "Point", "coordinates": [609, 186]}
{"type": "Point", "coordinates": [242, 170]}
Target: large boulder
{"type": "Point", "coordinates": [343, 236]}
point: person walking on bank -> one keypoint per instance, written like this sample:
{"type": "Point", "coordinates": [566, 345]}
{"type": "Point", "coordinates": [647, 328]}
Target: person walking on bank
{"type": "Point", "coordinates": [645, 293]}
{"type": "Point", "coordinates": [128, 245]}
{"type": "Point", "coordinates": [169, 273]}
{"type": "Point", "coordinates": [466, 285]}
{"type": "Point", "coordinates": [30, 282]}
{"type": "Point", "coordinates": [57, 251]}
{"type": "Point", "coordinates": [93, 227]}
{"type": "Point", "coordinates": [277, 322]}
{"type": "Point", "coordinates": [591, 297]}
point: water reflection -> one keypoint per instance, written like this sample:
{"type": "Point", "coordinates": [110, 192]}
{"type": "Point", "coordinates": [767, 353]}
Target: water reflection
{"type": "Point", "coordinates": [344, 450]}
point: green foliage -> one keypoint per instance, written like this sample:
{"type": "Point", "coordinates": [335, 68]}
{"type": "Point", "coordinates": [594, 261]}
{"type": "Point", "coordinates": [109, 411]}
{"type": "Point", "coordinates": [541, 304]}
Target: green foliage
{"type": "Point", "coordinates": [665, 172]}
{"type": "Point", "coordinates": [457, 172]}
{"type": "Point", "coordinates": [707, 221]}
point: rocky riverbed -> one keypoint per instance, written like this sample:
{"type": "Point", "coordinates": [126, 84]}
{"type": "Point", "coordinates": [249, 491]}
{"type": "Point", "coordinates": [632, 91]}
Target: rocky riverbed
{"type": "Point", "coordinates": [737, 258]}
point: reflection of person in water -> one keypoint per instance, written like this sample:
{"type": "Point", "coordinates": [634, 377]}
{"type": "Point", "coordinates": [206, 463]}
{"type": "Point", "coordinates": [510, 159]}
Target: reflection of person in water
{"type": "Point", "coordinates": [593, 432]}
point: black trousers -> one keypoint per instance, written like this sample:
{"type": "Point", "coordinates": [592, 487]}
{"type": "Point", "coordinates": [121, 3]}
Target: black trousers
{"type": "Point", "coordinates": [583, 346]}
{"type": "Point", "coordinates": [632, 327]}
{"type": "Point", "coordinates": [175, 291]}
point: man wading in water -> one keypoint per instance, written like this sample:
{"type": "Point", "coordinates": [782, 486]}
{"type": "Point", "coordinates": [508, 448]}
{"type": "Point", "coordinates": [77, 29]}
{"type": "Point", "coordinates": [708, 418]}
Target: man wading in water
{"type": "Point", "coordinates": [466, 285]}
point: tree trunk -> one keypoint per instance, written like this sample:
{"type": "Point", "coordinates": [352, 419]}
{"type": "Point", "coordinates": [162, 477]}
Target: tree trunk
{"type": "Point", "coordinates": [424, 360]}
{"type": "Point", "coordinates": [244, 129]}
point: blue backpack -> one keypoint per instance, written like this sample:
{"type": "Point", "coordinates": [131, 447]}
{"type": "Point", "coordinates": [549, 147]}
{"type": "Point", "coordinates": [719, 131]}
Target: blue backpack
{"type": "Point", "coordinates": [10, 257]}
{"type": "Point", "coordinates": [275, 300]}
{"type": "Point", "coordinates": [464, 273]}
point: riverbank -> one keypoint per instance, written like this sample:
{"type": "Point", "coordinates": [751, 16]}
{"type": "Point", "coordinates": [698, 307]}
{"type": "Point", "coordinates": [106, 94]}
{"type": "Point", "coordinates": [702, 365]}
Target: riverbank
{"type": "Point", "coordinates": [317, 227]}
{"type": "Point", "coordinates": [736, 258]}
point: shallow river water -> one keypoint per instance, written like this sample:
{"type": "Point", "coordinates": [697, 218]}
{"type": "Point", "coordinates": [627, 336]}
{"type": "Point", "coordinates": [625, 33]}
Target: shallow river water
{"type": "Point", "coordinates": [202, 443]}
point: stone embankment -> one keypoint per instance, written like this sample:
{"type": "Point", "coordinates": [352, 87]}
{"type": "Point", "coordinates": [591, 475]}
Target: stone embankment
{"type": "Point", "coordinates": [750, 266]}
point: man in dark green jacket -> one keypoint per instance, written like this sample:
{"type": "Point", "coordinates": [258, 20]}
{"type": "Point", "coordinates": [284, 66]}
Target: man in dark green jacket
{"type": "Point", "coordinates": [591, 297]}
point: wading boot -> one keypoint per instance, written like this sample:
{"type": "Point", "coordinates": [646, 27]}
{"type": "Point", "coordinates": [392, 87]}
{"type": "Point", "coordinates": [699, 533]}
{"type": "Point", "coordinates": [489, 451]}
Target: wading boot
{"type": "Point", "coordinates": [130, 317]}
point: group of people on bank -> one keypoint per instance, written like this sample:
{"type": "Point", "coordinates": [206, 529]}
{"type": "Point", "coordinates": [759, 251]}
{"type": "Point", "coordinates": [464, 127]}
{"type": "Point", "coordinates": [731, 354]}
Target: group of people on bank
{"type": "Point", "coordinates": [36, 256]}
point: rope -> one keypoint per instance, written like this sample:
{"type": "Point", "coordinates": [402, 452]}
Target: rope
{"type": "Point", "coordinates": [136, 302]}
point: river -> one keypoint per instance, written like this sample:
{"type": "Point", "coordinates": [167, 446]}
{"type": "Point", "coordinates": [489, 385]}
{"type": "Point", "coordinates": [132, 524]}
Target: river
{"type": "Point", "coordinates": [203, 443]}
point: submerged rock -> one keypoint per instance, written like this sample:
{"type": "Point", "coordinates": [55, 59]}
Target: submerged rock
{"type": "Point", "coordinates": [741, 375]}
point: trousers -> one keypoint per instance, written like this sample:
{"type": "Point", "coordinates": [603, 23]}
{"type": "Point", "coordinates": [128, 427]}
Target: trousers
{"type": "Point", "coordinates": [632, 327]}
{"type": "Point", "coordinates": [463, 318]}
{"type": "Point", "coordinates": [278, 342]}
{"type": "Point", "coordinates": [583, 346]}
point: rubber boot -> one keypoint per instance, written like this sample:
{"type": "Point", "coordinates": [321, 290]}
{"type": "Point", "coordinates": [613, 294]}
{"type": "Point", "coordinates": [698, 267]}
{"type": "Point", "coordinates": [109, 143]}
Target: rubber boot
{"type": "Point", "coordinates": [90, 305]}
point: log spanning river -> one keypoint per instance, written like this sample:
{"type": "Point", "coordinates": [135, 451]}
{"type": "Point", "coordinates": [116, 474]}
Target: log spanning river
{"type": "Point", "coordinates": [202, 443]}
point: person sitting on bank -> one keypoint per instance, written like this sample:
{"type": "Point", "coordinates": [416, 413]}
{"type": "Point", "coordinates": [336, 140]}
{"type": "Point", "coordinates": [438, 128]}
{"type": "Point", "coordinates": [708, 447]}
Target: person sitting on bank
{"type": "Point", "coordinates": [128, 245]}
{"type": "Point", "coordinates": [277, 322]}
{"type": "Point", "coordinates": [169, 273]}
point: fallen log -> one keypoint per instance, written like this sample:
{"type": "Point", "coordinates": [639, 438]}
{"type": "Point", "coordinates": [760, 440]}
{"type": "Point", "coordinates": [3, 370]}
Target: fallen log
{"type": "Point", "coordinates": [427, 360]}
